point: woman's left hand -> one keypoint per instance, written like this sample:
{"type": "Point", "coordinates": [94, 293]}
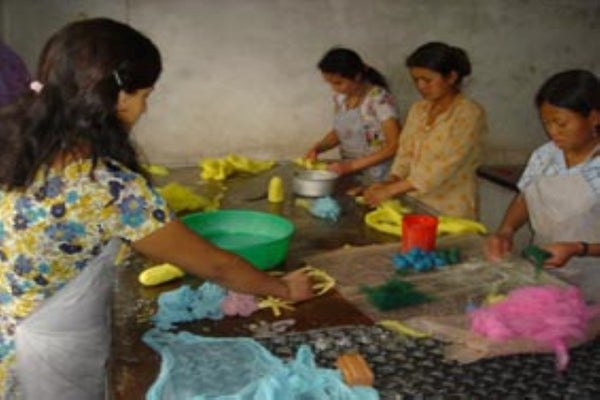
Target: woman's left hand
{"type": "Point", "coordinates": [561, 253]}
{"type": "Point", "coordinates": [341, 168]}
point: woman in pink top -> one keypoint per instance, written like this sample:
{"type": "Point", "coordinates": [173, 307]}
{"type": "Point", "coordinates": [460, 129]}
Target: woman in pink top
{"type": "Point", "coordinates": [440, 142]}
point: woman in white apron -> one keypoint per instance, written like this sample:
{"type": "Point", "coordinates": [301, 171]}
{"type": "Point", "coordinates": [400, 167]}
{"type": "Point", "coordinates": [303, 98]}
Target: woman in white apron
{"type": "Point", "coordinates": [366, 125]}
{"type": "Point", "coordinates": [72, 191]}
{"type": "Point", "coordinates": [560, 188]}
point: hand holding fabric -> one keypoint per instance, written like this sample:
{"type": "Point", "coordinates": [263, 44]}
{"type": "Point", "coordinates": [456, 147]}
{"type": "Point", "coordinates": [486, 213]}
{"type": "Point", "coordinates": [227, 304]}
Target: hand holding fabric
{"type": "Point", "coordinates": [299, 286]}
{"type": "Point", "coordinates": [497, 246]}
{"type": "Point", "coordinates": [561, 253]}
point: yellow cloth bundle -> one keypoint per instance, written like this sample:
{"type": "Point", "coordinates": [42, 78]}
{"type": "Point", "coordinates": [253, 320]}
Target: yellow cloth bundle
{"type": "Point", "coordinates": [309, 164]}
{"type": "Point", "coordinates": [180, 197]}
{"type": "Point", "coordinates": [387, 217]}
{"type": "Point", "coordinates": [220, 169]}
{"type": "Point", "coordinates": [156, 169]}
{"type": "Point", "coordinates": [160, 274]}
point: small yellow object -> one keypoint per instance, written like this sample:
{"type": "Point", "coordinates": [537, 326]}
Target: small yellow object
{"type": "Point", "coordinates": [322, 281]}
{"type": "Point", "coordinates": [275, 304]}
{"type": "Point", "coordinates": [448, 224]}
{"type": "Point", "coordinates": [275, 193]}
{"type": "Point", "coordinates": [402, 329]}
{"type": "Point", "coordinates": [493, 298]}
{"type": "Point", "coordinates": [155, 169]}
{"type": "Point", "coordinates": [160, 274]}
{"type": "Point", "coordinates": [310, 164]}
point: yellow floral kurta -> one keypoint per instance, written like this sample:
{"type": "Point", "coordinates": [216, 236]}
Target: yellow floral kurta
{"type": "Point", "coordinates": [50, 231]}
{"type": "Point", "coordinates": [440, 160]}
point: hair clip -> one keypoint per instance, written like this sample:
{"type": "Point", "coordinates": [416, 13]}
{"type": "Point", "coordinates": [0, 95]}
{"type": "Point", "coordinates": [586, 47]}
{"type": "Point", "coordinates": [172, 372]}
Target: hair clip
{"type": "Point", "coordinates": [36, 86]}
{"type": "Point", "coordinates": [118, 78]}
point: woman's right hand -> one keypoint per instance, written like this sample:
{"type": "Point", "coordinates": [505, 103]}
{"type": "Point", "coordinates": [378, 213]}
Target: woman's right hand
{"type": "Point", "coordinates": [376, 193]}
{"type": "Point", "coordinates": [312, 154]}
{"type": "Point", "coordinates": [299, 286]}
{"type": "Point", "coordinates": [497, 246]}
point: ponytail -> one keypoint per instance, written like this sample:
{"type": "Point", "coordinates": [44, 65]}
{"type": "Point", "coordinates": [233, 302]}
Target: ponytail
{"type": "Point", "coordinates": [374, 77]}
{"type": "Point", "coordinates": [348, 64]}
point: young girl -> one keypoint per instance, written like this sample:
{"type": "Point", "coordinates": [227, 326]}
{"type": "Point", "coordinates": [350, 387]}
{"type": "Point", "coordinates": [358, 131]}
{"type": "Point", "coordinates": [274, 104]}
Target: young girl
{"type": "Point", "coordinates": [71, 183]}
{"type": "Point", "coordinates": [439, 146]}
{"type": "Point", "coordinates": [560, 187]}
{"type": "Point", "coordinates": [366, 125]}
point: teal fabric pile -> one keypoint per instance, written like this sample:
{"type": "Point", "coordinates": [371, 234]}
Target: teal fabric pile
{"type": "Point", "coordinates": [186, 304]}
{"type": "Point", "coordinates": [203, 368]}
{"type": "Point", "coordinates": [326, 208]}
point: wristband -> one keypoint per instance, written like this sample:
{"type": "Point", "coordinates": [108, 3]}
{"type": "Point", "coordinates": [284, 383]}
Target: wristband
{"type": "Point", "coordinates": [585, 248]}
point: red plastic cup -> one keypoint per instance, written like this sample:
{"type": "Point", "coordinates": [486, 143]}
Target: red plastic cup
{"type": "Point", "coordinates": [419, 231]}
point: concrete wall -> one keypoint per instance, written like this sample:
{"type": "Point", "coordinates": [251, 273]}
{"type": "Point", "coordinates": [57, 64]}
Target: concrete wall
{"type": "Point", "coordinates": [240, 75]}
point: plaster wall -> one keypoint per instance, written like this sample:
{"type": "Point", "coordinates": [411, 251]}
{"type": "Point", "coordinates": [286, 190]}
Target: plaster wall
{"type": "Point", "coordinates": [240, 77]}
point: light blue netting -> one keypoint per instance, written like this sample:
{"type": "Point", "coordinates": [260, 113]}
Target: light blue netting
{"type": "Point", "coordinates": [201, 368]}
{"type": "Point", "coordinates": [326, 208]}
{"type": "Point", "coordinates": [186, 304]}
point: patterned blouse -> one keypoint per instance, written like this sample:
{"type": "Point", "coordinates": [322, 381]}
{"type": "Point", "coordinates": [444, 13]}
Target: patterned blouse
{"type": "Point", "coordinates": [377, 106]}
{"type": "Point", "coordinates": [440, 159]}
{"type": "Point", "coordinates": [50, 231]}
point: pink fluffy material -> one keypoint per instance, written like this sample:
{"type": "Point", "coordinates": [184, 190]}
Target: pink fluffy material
{"type": "Point", "coordinates": [239, 304]}
{"type": "Point", "coordinates": [547, 314]}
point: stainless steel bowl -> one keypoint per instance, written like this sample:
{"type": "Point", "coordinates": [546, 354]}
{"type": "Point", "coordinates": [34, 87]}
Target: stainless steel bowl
{"type": "Point", "coordinates": [314, 183]}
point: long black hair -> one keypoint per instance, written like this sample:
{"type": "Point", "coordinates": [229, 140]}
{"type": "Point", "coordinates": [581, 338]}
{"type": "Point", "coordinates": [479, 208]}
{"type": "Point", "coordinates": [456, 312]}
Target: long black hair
{"type": "Point", "coordinates": [82, 68]}
{"type": "Point", "coordinates": [576, 90]}
{"type": "Point", "coordinates": [441, 58]}
{"type": "Point", "coordinates": [348, 64]}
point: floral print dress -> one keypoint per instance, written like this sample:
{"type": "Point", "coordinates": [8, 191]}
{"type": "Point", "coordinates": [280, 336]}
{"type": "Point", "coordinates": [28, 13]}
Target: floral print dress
{"type": "Point", "coordinates": [440, 159]}
{"type": "Point", "coordinates": [50, 231]}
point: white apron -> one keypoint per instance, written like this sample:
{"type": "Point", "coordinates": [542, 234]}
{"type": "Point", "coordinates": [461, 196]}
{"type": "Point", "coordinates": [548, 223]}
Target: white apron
{"type": "Point", "coordinates": [62, 347]}
{"type": "Point", "coordinates": [565, 209]}
{"type": "Point", "coordinates": [353, 144]}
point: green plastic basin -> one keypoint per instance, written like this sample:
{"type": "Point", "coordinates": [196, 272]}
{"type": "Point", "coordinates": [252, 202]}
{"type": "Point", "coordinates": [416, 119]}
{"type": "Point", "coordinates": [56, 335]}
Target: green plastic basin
{"type": "Point", "coordinates": [260, 238]}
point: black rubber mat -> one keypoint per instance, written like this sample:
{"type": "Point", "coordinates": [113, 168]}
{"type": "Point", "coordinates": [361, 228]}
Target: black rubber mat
{"type": "Point", "coordinates": [414, 369]}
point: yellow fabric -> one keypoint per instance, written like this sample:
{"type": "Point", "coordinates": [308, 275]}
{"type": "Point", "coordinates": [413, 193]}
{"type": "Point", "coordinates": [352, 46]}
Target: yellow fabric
{"type": "Point", "coordinates": [180, 197]}
{"type": "Point", "coordinates": [310, 164]}
{"type": "Point", "coordinates": [400, 328]}
{"type": "Point", "coordinates": [322, 283]}
{"type": "Point", "coordinates": [159, 274]}
{"type": "Point", "coordinates": [440, 159]}
{"type": "Point", "coordinates": [388, 218]}
{"type": "Point", "coordinates": [155, 169]}
{"type": "Point", "coordinates": [220, 169]}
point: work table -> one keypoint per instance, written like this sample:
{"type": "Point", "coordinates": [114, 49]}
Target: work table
{"type": "Point", "coordinates": [134, 366]}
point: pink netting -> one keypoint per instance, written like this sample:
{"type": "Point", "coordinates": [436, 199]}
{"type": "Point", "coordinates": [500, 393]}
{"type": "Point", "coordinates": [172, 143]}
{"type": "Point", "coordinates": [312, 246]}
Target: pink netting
{"type": "Point", "coordinates": [547, 314]}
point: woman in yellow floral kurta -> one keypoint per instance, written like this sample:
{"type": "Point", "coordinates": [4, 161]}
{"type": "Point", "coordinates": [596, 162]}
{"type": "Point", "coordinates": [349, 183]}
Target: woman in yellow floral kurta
{"type": "Point", "coordinates": [70, 182]}
{"type": "Point", "coordinates": [440, 142]}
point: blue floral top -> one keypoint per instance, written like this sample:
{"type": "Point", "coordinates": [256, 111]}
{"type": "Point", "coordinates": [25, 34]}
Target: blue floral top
{"type": "Point", "coordinates": [50, 231]}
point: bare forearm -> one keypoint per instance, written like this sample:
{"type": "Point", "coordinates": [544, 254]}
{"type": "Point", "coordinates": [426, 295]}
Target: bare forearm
{"type": "Point", "coordinates": [516, 215]}
{"type": "Point", "coordinates": [176, 244]}
{"type": "Point", "coordinates": [328, 142]}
